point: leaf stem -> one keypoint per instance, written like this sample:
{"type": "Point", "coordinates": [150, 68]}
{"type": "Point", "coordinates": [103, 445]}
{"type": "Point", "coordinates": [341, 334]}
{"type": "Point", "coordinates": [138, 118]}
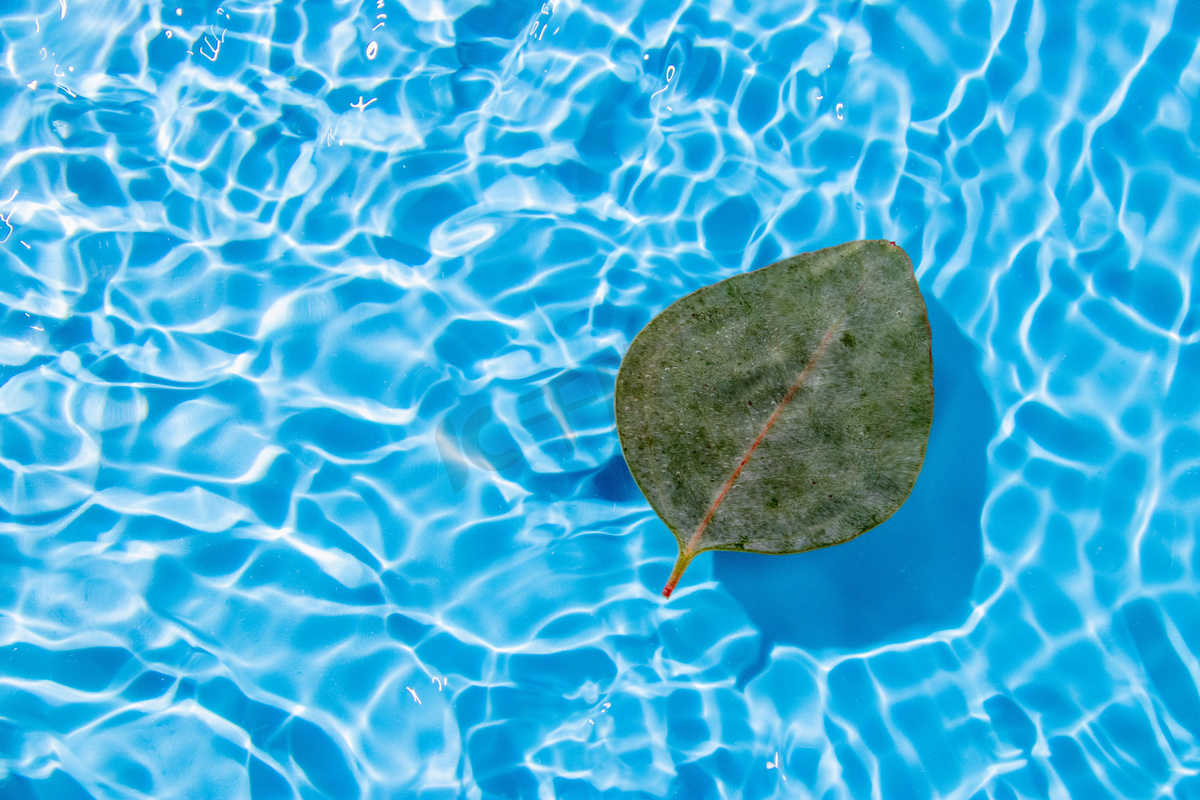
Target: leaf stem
{"type": "Point", "coordinates": [681, 563]}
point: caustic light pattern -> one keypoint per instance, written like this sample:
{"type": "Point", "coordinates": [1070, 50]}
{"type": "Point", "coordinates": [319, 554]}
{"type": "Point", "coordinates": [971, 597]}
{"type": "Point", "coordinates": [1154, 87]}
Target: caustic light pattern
{"type": "Point", "coordinates": [309, 479]}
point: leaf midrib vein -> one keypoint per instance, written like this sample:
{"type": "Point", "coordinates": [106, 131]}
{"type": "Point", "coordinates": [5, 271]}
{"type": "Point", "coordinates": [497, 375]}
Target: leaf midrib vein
{"type": "Point", "coordinates": [812, 361]}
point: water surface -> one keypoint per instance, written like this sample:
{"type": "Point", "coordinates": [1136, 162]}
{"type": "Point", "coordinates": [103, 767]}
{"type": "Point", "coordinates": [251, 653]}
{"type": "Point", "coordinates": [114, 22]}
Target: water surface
{"type": "Point", "coordinates": [309, 484]}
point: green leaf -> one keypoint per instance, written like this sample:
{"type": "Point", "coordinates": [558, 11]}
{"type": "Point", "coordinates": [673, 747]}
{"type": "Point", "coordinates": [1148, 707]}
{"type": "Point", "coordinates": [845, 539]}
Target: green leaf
{"type": "Point", "coordinates": [784, 409]}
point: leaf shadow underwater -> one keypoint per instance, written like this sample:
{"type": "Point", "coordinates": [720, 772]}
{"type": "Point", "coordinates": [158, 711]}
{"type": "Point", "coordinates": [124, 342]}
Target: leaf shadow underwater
{"type": "Point", "coordinates": [914, 573]}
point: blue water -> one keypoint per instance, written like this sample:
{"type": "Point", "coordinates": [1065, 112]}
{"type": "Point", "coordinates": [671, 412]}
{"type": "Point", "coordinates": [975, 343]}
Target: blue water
{"type": "Point", "coordinates": [309, 481]}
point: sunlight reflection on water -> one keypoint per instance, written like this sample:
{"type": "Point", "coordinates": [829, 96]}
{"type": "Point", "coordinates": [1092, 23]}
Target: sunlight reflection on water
{"type": "Point", "coordinates": [308, 476]}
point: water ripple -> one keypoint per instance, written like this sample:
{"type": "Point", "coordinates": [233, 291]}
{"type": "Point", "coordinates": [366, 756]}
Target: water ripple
{"type": "Point", "coordinates": [309, 482]}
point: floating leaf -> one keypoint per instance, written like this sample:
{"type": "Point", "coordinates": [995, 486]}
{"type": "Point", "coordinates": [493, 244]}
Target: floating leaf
{"type": "Point", "coordinates": [785, 409]}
